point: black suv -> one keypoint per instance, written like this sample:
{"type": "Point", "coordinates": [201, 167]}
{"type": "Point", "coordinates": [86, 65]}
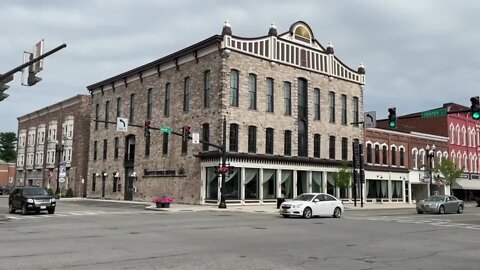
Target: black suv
{"type": "Point", "coordinates": [30, 199]}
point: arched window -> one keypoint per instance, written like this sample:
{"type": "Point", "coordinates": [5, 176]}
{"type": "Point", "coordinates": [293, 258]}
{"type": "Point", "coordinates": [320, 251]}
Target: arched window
{"type": "Point", "coordinates": [452, 134]}
{"type": "Point", "coordinates": [458, 135]}
{"type": "Point", "coordinates": [464, 133]}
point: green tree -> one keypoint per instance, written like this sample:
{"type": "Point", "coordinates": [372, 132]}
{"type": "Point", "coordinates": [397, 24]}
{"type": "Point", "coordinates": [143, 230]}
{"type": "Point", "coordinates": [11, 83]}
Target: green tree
{"type": "Point", "coordinates": [343, 178]}
{"type": "Point", "coordinates": [450, 172]}
{"type": "Point", "coordinates": [7, 146]}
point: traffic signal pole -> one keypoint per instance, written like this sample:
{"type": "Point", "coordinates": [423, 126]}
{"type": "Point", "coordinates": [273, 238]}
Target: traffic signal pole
{"type": "Point", "coordinates": [15, 70]}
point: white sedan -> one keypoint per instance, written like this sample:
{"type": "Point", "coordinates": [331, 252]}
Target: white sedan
{"type": "Point", "coordinates": [312, 204]}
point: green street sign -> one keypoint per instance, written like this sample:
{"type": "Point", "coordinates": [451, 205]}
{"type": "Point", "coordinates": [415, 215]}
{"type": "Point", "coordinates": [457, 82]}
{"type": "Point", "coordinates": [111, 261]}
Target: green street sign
{"type": "Point", "coordinates": [434, 113]}
{"type": "Point", "coordinates": [166, 129]}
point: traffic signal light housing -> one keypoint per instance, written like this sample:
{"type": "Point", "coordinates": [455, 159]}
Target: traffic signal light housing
{"type": "Point", "coordinates": [392, 117]}
{"type": "Point", "coordinates": [186, 132]}
{"type": "Point", "coordinates": [32, 79]}
{"type": "Point", "coordinates": [475, 108]}
{"type": "Point", "coordinates": [4, 87]}
{"type": "Point", "coordinates": [146, 128]}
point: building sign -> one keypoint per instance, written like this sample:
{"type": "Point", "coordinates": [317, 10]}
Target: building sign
{"type": "Point", "coordinates": [159, 173]}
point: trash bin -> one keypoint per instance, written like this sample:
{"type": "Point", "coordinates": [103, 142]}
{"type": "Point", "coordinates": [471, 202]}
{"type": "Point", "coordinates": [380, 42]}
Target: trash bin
{"type": "Point", "coordinates": [279, 202]}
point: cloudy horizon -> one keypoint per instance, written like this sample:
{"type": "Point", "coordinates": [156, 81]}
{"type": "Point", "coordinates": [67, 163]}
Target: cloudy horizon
{"type": "Point", "coordinates": [418, 55]}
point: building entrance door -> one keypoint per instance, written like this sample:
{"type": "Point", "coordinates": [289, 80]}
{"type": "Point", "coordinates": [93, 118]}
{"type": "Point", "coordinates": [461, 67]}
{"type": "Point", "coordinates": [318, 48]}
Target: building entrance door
{"type": "Point", "coordinates": [128, 184]}
{"type": "Point", "coordinates": [103, 184]}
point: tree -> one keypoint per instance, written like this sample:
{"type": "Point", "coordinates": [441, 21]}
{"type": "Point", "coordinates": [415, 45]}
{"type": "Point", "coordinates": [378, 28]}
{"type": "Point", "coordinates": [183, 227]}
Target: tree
{"type": "Point", "coordinates": [342, 178]}
{"type": "Point", "coordinates": [450, 172]}
{"type": "Point", "coordinates": [7, 146]}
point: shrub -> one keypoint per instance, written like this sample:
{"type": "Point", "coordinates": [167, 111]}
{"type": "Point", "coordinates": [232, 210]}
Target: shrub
{"type": "Point", "coordinates": [69, 193]}
{"type": "Point", "coordinates": [50, 191]}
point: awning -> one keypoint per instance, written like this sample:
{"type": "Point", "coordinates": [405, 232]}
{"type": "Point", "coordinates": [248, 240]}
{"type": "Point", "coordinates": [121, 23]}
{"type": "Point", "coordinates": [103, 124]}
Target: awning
{"type": "Point", "coordinates": [467, 184]}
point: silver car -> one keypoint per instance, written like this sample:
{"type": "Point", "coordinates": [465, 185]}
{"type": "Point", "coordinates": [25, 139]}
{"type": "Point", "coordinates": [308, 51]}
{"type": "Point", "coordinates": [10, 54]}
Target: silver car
{"type": "Point", "coordinates": [440, 204]}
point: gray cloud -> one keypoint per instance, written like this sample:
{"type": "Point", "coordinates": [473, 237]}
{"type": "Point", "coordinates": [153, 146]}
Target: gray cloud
{"type": "Point", "coordinates": [418, 54]}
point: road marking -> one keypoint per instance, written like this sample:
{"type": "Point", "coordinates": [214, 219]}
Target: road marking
{"type": "Point", "coordinates": [439, 222]}
{"type": "Point", "coordinates": [73, 214]}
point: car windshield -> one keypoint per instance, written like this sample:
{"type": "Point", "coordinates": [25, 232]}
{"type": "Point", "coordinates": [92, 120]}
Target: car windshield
{"type": "Point", "coordinates": [304, 197]}
{"type": "Point", "coordinates": [34, 191]}
{"type": "Point", "coordinates": [435, 199]}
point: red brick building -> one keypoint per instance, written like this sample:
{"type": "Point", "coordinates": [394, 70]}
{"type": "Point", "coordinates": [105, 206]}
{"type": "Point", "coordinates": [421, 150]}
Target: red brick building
{"type": "Point", "coordinates": [463, 134]}
{"type": "Point", "coordinates": [41, 135]}
{"type": "Point", "coordinates": [7, 173]}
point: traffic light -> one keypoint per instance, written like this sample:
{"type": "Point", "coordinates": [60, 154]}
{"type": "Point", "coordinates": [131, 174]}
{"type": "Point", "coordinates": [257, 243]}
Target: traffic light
{"type": "Point", "coordinates": [146, 128]}
{"type": "Point", "coordinates": [32, 71]}
{"type": "Point", "coordinates": [186, 132]}
{"type": "Point", "coordinates": [475, 108]}
{"type": "Point", "coordinates": [4, 87]}
{"type": "Point", "coordinates": [392, 117]}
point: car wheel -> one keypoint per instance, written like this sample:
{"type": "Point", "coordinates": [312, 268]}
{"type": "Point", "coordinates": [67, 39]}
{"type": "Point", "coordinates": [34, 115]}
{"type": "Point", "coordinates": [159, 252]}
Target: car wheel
{"type": "Point", "coordinates": [419, 212]}
{"type": "Point", "coordinates": [337, 212]}
{"type": "Point", "coordinates": [460, 209]}
{"type": "Point", "coordinates": [11, 209]}
{"type": "Point", "coordinates": [286, 216]}
{"type": "Point", "coordinates": [51, 210]}
{"type": "Point", "coordinates": [441, 210]}
{"type": "Point", "coordinates": [307, 213]}
{"type": "Point", "coordinates": [24, 209]}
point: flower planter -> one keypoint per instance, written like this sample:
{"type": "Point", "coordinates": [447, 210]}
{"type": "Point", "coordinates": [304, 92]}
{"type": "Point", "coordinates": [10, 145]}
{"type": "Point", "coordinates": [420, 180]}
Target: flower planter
{"type": "Point", "coordinates": [165, 205]}
{"type": "Point", "coordinates": [159, 205]}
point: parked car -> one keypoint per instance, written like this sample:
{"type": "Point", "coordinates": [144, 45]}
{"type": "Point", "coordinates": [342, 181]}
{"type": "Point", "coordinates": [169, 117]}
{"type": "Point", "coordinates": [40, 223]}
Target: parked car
{"type": "Point", "coordinates": [440, 204]}
{"type": "Point", "coordinates": [29, 199]}
{"type": "Point", "coordinates": [4, 190]}
{"type": "Point", "coordinates": [312, 204]}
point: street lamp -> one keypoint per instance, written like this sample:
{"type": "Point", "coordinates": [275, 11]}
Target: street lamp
{"type": "Point", "coordinates": [59, 152]}
{"type": "Point", "coordinates": [430, 155]}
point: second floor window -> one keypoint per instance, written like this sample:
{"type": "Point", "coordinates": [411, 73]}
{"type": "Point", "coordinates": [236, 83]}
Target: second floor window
{"type": "Point", "coordinates": [316, 145]}
{"type": "Point", "coordinates": [402, 157]}
{"type": "Point", "coordinates": [234, 77]}
{"type": "Point", "coordinates": [186, 94]}
{"type": "Point", "coordinates": [287, 145]}
{"type": "Point", "coordinates": [252, 91]}
{"type": "Point", "coordinates": [104, 149]}
{"type": "Point", "coordinates": [165, 144]}
{"type": "Point", "coordinates": [166, 108]}
{"type": "Point", "coordinates": [269, 95]}
{"type": "Point", "coordinates": [205, 136]}
{"type": "Point", "coordinates": [95, 150]}
{"type": "Point", "coordinates": [377, 154]}
{"type": "Point", "coordinates": [394, 156]}
{"type": "Point", "coordinates": [355, 111]}
{"type": "Point", "coordinates": [119, 107]}
{"type": "Point", "coordinates": [252, 139]}
{"type": "Point", "coordinates": [233, 146]}
{"type": "Point", "coordinates": [331, 147]}
{"type": "Point", "coordinates": [369, 153]}
{"type": "Point", "coordinates": [384, 155]}
{"type": "Point", "coordinates": [97, 108]}
{"type": "Point", "coordinates": [269, 141]}
{"type": "Point", "coordinates": [344, 148]}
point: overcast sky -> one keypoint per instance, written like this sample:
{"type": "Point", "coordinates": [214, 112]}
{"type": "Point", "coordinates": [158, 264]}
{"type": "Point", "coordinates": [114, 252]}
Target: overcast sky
{"type": "Point", "coordinates": [417, 54]}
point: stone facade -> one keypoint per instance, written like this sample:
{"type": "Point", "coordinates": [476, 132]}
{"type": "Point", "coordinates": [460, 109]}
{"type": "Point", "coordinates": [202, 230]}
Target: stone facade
{"type": "Point", "coordinates": [141, 177]}
{"type": "Point", "coordinates": [38, 134]}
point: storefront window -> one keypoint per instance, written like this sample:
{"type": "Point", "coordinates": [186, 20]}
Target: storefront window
{"type": "Point", "coordinates": [287, 184]}
{"type": "Point", "coordinates": [317, 182]}
{"type": "Point", "coordinates": [232, 184]}
{"type": "Point", "coordinates": [377, 189]}
{"type": "Point", "coordinates": [269, 180]}
{"type": "Point", "coordinates": [212, 184]}
{"type": "Point", "coordinates": [302, 186]}
{"type": "Point", "coordinates": [397, 191]}
{"type": "Point", "coordinates": [251, 183]}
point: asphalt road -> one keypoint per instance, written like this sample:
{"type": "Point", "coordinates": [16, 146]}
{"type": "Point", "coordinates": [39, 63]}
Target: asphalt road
{"type": "Point", "coordinates": [121, 236]}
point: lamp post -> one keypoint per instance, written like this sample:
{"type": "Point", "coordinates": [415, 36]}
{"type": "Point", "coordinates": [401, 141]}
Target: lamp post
{"type": "Point", "coordinates": [59, 151]}
{"type": "Point", "coordinates": [430, 155]}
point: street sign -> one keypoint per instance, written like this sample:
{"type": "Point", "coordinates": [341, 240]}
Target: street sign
{"type": "Point", "coordinates": [195, 138]}
{"type": "Point", "coordinates": [434, 113]}
{"type": "Point", "coordinates": [166, 129]}
{"type": "Point", "coordinates": [370, 119]}
{"type": "Point", "coordinates": [63, 170]}
{"type": "Point", "coordinates": [61, 180]}
{"type": "Point", "coordinates": [122, 124]}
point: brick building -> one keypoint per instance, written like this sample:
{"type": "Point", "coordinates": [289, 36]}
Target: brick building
{"type": "Point", "coordinates": [397, 165]}
{"type": "Point", "coordinates": [287, 101]}
{"type": "Point", "coordinates": [7, 173]}
{"type": "Point", "coordinates": [463, 134]}
{"type": "Point", "coordinates": [40, 136]}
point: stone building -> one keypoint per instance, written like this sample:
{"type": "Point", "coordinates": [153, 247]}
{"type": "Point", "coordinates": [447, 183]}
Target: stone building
{"type": "Point", "coordinates": [397, 166]}
{"type": "Point", "coordinates": [52, 136]}
{"type": "Point", "coordinates": [287, 100]}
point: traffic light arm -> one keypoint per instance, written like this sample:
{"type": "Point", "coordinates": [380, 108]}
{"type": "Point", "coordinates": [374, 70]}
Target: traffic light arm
{"type": "Point", "coordinates": [15, 70]}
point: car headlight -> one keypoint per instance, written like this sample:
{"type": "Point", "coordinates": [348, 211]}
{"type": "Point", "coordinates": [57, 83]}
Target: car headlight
{"type": "Point", "coordinates": [297, 205]}
{"type": "Point", "coordinates": [52, 200]}
{"type": "Point", "coordinates": [29, 200]}
{"type": "Point", "coordinates": [434, 204]}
